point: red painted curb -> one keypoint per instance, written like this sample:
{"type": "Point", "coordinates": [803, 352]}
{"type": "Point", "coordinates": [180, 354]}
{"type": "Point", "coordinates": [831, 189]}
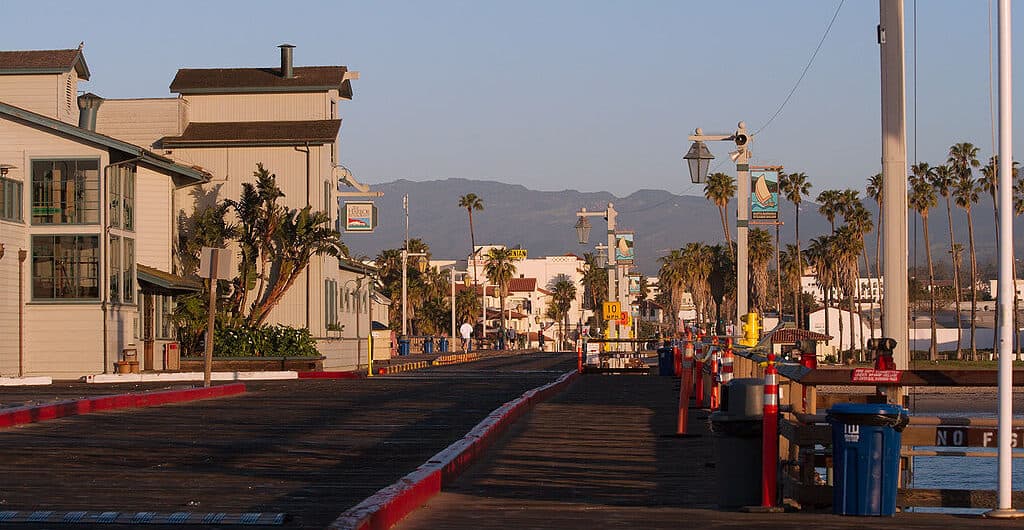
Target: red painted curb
{"type": "Point", "coordinates": [384, 509]}
{"type": "Point", "coordinates": [330, 375]}
{"type": "Point", "coordinates": [61, 409]}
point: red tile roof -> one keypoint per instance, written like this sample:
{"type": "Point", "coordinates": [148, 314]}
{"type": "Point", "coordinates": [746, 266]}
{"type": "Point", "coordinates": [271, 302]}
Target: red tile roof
{"type": "Point", "coordinates": [236, 80]}
{"type": "Point", "coordinates": [791, 335]}
{"type": "Point", "coordinates": [43, 61]}
{"type": "Point", "coordinates": [522, 285]}
{"type": "Point", "coordinates": [256, 133]}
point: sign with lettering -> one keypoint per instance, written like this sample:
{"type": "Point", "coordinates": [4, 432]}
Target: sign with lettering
{"type": "Point", "coordinates": [517, 253]}
{"type": "Point", "coordinates": [974, 437]}
{"type": "Point", "coordinates": [360, 216]}
{"type": "Point", "coordinates": [624, 253]}
{"type": "Point", "coordinates": [764, 195]}
{"type": "Point", "coordinates": [870, 375]}
{"type": "Point", "coordinates": [612, 310]}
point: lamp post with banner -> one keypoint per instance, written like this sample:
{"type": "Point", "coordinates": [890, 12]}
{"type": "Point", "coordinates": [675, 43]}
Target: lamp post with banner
{"type": "Point", "coordinates": [583, 235]}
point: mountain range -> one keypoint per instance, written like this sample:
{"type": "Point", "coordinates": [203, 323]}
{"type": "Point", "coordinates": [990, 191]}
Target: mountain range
{"type": "Point", "coordinates": [542, 222]}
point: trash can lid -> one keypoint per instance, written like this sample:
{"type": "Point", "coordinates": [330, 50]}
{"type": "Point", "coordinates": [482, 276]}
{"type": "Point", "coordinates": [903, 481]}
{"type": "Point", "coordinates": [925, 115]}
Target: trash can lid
{"type": "Point", "coordinates": [882, 409]}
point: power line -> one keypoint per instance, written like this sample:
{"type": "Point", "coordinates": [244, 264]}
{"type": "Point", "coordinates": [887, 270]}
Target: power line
{"type": "Point", "coordinates": [806, 68]}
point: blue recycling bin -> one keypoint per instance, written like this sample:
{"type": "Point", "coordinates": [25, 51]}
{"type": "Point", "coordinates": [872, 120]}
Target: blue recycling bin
{"type": "Point", "coordinates": [866, 457]}
{"type": "Point", "coordinates": [428, 344]}
{"type": "Point", "coordinates": [403, 346]}
{"type": "Point", "coordinates": [666, 361]}
{"type": "Point", "coordinates": [442, 345]}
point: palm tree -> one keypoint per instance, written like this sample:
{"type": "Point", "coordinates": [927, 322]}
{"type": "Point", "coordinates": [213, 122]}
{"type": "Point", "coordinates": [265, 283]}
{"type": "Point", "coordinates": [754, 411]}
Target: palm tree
{"type": "Point", "coordinates": [499, 269]}
{"type": "Point", "coordinates": [791, 264]}
{"type": "Point", "coordinates": [563, 293]}
{"type": "Point", "coordinates": [698, 261]}
{"type": "Point", "coordinates": [874, 191]}
{"type": "Point", "coordinates": [722, 279]}
{"type": "Point", "coordinates": [471, 202]}
{"type": "Point", "coordinates": [720, 189]}
{"type": "Point", "coordinates": [943, 179]}
{"type": "Point", "coordinates": [671, 279]}
{"type": "Point", "coordinates": [761, 251]}
{"type": "Point", "coordinates": [819, 255]}
{"type": "Point", "coordinates": [829, 202]}
{"type": "Point", "coordinates": [989, 182]}
{"type": "Point", "coordinates": [859, 220]}
{"type": "Point", "coordinates": [963, 157]}
{"type": "Point", "coordinates": [595, 285]}
{"type": "Point", "coordinates": [795, 187]}
{"type": "Point", "coordinates": [847, 247]}
{"type": "Point", "coordinates": [922, 199]}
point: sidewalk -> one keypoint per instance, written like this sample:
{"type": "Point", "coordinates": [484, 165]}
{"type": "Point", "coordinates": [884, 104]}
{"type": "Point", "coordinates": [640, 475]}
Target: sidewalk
{"type": "Point", "coordinates": [602, 455]}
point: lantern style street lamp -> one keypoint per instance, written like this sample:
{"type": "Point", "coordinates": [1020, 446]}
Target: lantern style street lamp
{"type": "Point", "coordinates": [583, 229]}
{"type": "Point", "coordinates": [698, 159]}
{"type": "Point", "coordinates": [583, 234]}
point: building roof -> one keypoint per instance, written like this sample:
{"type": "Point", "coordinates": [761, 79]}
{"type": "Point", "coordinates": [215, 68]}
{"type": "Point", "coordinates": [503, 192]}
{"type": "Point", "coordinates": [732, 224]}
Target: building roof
{"type": "Point", "coordinates": [43, 62]}
{"type": "Point", "coordinates": [145, 156]}
{"type": "Point", "coordinates": [165, 282]}
{"type": "Point", "coordinates": [249, 80]}
{"type": "Point", "coordinates": [255, 133]}
{"type": "Point", "coordinates": [791, 335]}
{"type": "Point", "coordinates": [522, 285]}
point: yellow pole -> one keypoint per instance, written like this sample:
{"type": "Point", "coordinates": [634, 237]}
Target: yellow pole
{"type": "Point", "coordinates": [369, 358]}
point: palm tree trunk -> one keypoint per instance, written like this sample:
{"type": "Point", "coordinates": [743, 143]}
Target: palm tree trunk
{"type": "Point", "coordinates": [974, 286]}
{"type": "Point", "coordinates": [956, 277]}
{"type": "Point", "coordinates": [867, 269]}
{"type": "Point", "coordinates": [725, 228]}
{"type": "Point", "coordinates": [800, 266]}
{"type": "Point", "coordinates": [933, 351]}
{"type": "Point", "coordinates": [476, 282]}
{"type": "Point", "coordinates": [878, 271]}
{"type": "Point", "coordinates": [839, 305]}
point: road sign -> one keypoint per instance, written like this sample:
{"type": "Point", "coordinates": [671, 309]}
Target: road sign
{"type": "Point", "coordinates": [612, 310]}
{"type": "Point", "coordinates": [219, 268]}
{"type": "Point", "coordinates": [517, 253]}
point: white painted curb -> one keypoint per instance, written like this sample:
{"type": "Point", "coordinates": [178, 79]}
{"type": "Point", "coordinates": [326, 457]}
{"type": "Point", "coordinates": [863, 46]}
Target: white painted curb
{"type": "Point", "coordinates": [25, 381]}
{"type": "Point", "coordinates": [190, 376]}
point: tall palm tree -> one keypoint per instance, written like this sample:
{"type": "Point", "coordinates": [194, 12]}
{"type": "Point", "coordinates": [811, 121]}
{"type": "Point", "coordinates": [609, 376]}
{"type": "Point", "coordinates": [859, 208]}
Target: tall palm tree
{"type": "Point", "coordinates": [859, 220]}
{"type": "Point", "coordinates": [874, 192]}
{"type": "Point", "coordinates": [828, 206]}
{"type": "Point", "coordinates": [792, 269]}
{"type": "Point", "coordinates": [760, 252]}
{"type": "Point", "coordinates": [671, 279]}
{"type": "Point", "coordinates": [922, 199]}
{"type": "Point", "coordinates": [963, 157]}
{"type": "Point", "coordinates": [795, 187]}
{"type": "Point", "coordinates": [847, 247]}
{"type": "Point", "coordinates": [499, 269]}
{"type": "Point", "coordinates": [819, 255]}
{"type": "Point", "coordinates": [943, 179]}
{"type": "Point", "coordinates": [563, 293]}
{"type": "Point", "coordinates": [989, 182]}
{"type": "Point", "coordinates": [720, 189]}
{"type": "Point", "coordinates": [595, 285]}
{"type": "Point", "coordinates": [698, 259]}
{"type": "Point", "coordinates": [471, 202]}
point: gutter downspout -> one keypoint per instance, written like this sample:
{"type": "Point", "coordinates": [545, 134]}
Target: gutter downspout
{"type": "Point", "coordinates": [308, 282]}
{"type": "Point", "coordinates": [22, 256]}
{"type": "Point", "coordinates": [105, 267]}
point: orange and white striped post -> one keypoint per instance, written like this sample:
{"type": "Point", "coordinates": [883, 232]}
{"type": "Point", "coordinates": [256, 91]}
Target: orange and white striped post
{"type": "Point", "coordinates": [699, 369]}
{"type": "Point", "coordinates": [770, 434]}
{"type": "Point", "coordinates": [677, 359]}
{"type": "Point", "coordinates": [579, 358]}
{"type": "Point", "coordinates": [685, 384]}
{"type": "Point", "coordinates": [727, 360]}
{"type": "Point", "coordinates": [716, 366]}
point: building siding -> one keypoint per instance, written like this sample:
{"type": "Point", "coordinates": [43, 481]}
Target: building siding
{"type": "Point", "coordinates": [258, 107]}
{"type": "Point", "coordinates": [37, 93]}
{"type": "Point", "coordinates": [141, 121]}
{"type": "Point", "coordinates": [153, 223]}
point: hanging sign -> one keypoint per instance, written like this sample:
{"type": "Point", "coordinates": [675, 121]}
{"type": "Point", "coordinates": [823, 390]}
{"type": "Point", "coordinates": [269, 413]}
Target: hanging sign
{"type": "Point", "coordinates": [360, 216]}
{"type": "Point", "coordinates": [624, 254]}
{"type": "Point", "coordinates": [764, 195]}
{"type": "Point", "coordinates": [634, 284]}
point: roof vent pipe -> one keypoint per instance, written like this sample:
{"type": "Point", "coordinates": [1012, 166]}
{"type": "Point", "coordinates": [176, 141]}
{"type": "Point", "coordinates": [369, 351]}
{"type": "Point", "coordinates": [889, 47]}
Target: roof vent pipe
{"type": "Point", "coordinates": [88, 106]}
{"type": "Point", "coordinates": [286, 61]}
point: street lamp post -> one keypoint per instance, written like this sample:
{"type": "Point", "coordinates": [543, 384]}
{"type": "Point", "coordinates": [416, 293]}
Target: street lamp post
{"type": "Point", "coordinates": [583, 234]}
{"type": "Point", "coordinates": [698, 159]}
{"type": "Point", "coordinates": [453, 272]}
{"type": "Point", "coordinates": [369, 327]}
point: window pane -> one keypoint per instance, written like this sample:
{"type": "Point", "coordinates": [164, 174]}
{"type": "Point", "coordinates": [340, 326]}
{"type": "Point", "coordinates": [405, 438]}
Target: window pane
{"type": "Point", "coordinates": [65, 192]}
{"type": "Point", "coordinates": [114, 255]}
{"type": "Point", "coordinates": [114, 199]}
{"type": "Point", "coordinates": [10, 200]}
{"type": "Point", "coordinates": [128, 181]}
{"type": "Point", "coordinates": [65, 267]}
{"type": "Point", "coordinates": [129, 270]}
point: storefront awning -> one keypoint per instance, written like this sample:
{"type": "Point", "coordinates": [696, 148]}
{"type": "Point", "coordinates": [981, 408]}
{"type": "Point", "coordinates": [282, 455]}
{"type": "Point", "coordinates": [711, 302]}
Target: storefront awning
{"type": "Point", "coordinates": [156, 281]}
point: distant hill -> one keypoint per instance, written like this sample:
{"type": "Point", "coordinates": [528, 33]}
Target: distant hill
{"type": "Point", "coordinates": [542, 221]}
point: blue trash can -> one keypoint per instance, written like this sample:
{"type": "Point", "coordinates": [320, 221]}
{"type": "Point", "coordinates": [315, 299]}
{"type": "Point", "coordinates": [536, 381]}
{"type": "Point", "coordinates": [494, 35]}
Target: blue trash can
{"type": "Point", "coordinates": [403, 346]}
{"type": "Point", "coordinates": [866, 457]}
{"type": "Point", "coordinates": [666, 361]}
{"type": "Point", "coordinates": [428, 344]}
{"type": "Point", "coordinates": [442, 345]}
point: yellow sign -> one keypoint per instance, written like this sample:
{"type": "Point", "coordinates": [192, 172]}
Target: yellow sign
{"type": "Point", "coordinates": [612, 310]}
{"type": "Point", "coordinates": [517, 253]}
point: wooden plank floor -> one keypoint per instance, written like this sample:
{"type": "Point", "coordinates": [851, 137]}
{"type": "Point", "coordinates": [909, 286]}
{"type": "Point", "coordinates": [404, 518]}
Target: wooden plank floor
{"type": "Point", "coordinates": [601, 455]}
{"type": "Point", "coordinates": [308, 448]}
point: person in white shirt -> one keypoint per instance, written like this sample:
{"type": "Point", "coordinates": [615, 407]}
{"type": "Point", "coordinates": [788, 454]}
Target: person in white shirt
{"type": "Point", "coordinates": [466, 331]}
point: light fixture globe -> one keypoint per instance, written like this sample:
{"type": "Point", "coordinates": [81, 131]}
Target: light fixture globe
{"type": "Point", "coordinates": [698, 158]}
{"type": "Point", "coordinates": [601, 259]}
{"type": "Point", "coordinates": [583, 230]}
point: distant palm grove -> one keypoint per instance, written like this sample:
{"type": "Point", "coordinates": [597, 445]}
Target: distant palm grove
{"type": "Point", "coordinates": [838, 259]}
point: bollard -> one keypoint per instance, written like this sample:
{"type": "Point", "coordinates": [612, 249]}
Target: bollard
{"type": "Point", "coordinates": [677, 359]}
{"type": "Point", "coordinates": [770, 434]}
{"type": "Point", "coordinates": [716, 359]}
{"type": "Point", "coordinates": [579, 358]}
{"type": "Point", "coordinates": [699, 369]}
{"type": "Point", "coordinates": [727, 360]}
{"type": "Point", "coordinates": [685, 385]}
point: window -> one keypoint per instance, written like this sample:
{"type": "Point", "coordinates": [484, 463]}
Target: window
{"type": "Point", "coordinates": [65, 192]}
{"type": "Point", "coordinates": [163, 307]}
{"type": "Point", "coordinates": [10, 200]}
{"type": "Point", "coordinates": [65, 267]}
{"type": "Point", "coordinates": [121, 255]}
{"type": "Point", "coordinates": [330, 304]}
{"type": "Point", "coordinates": [121, 197]}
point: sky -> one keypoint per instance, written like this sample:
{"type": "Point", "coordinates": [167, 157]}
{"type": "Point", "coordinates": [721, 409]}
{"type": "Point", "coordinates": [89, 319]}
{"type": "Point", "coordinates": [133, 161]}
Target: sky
{"type": "Point", "coordinates": [590, 95]}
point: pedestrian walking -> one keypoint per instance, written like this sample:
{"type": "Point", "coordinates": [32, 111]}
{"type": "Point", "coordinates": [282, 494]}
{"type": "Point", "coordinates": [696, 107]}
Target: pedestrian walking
{"type": "Point", "coordinates": [466, 331]}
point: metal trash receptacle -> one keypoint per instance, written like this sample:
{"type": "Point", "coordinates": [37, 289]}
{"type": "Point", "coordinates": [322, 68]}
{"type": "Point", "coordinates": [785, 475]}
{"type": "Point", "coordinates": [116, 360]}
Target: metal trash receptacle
{"type": "Point", "coordinates": [666, 361]}
{"type": "Point", "coordinates": [403, 346]}
{"type": "Point", "coordinates": [428, 344]}
{"type": "Point", "coordinates": [442, 345]}
{"type": "Point", "coordinates": [866, 457]}
{"type": "Point", "coordinates": [737, 429]}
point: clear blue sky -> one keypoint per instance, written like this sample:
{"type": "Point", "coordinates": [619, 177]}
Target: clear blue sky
{"type": "Point", "coordinates": [588, 95]}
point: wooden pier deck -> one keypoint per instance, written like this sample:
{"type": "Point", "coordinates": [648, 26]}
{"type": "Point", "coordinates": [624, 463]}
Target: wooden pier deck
{"type": "Point", "coordinates": [602, 455]}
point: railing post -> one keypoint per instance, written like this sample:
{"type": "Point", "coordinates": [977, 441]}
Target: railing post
{"type": "Point", "coordinates": [770, 435]}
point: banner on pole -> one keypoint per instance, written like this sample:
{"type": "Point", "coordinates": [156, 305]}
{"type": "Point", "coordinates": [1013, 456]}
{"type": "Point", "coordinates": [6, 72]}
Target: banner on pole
{"type": "Point", "coordinates": [764, 195]}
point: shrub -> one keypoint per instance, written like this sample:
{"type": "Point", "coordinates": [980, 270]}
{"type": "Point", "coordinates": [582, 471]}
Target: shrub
{"type": "Point", "coordinates": [830, 359]}
{"type": "Point", "coordinates": [264, 341]}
